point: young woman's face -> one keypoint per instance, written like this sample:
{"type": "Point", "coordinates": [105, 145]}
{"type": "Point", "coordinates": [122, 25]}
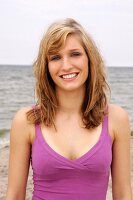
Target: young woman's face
{"type": "Point", "coordinates": [69, 67]}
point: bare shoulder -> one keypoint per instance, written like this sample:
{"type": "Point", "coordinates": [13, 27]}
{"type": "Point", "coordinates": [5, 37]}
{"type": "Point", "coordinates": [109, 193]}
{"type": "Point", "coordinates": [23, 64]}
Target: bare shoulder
{"type": "Point", "coordinates": [20, 126]}
{"type": "Point", "coordinates": [119, 121]}
{"type": "Point", "coordinates": [20, 117]}
{"type": "Point", "coordinates": [117, 112]}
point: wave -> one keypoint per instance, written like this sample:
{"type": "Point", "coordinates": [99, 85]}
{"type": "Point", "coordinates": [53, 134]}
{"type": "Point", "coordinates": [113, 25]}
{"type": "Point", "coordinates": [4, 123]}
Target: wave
{"type": "Point", "coordinates": [4, 138]}
{"type": "Point", "coordinates": [4, 143]}
{"type": "Point", "coordinates": [3, 131]}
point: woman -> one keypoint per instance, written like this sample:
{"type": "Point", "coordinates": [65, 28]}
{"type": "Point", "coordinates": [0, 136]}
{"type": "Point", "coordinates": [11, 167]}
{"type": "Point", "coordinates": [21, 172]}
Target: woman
{"type": "Point", "coordinates": [73, 136]}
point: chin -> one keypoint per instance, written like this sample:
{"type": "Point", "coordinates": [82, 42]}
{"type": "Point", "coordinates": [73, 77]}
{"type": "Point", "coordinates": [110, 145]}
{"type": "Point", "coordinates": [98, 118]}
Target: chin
{"type": "Point", "coordinates": [72, 88]}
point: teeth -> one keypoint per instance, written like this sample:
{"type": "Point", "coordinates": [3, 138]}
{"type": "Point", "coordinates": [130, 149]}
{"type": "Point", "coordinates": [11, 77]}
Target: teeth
{"type": "Point", "coordinates": [69, 76]}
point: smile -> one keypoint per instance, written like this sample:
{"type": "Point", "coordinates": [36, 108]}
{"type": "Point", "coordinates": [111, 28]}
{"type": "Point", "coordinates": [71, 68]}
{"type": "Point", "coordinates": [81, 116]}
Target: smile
{"type": "Point", "coordinates": [69, 76]}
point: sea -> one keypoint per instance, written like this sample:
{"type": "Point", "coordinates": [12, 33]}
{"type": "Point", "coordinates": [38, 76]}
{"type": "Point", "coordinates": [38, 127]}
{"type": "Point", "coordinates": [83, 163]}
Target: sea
{"type": "Point", "coordinates": [17, 90]}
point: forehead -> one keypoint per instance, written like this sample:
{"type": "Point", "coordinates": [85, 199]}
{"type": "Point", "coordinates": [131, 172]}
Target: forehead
{"type": "Point", "coordinates": [73, 41]}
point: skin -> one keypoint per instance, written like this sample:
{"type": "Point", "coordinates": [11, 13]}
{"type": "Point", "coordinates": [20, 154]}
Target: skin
{"type": "Point", "coordinates": [76, 141]}
{"type": "Point", "coordinates": [72, 58]}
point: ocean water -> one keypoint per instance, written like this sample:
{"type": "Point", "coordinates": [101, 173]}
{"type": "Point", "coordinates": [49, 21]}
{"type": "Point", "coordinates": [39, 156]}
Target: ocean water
{"type": "Point", "coordinates": [17, 90]}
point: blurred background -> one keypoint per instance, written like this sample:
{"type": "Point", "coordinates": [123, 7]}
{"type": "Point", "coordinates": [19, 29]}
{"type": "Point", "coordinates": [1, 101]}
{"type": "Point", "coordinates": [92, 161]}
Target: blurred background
{"type": "Point", "coordinates": [22, 25]}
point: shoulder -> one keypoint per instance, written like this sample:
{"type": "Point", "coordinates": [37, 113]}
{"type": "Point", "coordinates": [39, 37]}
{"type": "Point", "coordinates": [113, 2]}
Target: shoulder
{"type": "Point", "coordinates": [21, 116]}
{"type": "Point", "coordinates": [20, 126]}
{"type": "Point", "coordinates": [118, 121]}
{"type": "Point", "coordinates": [117, 112]}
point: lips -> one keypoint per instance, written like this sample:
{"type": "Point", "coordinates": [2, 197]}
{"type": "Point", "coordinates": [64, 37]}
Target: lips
{"type": "Point", "coordinates": [69, 76]}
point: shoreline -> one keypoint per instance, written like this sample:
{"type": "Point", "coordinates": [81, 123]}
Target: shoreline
{"type": "Point", "coordinates": [4, 152]}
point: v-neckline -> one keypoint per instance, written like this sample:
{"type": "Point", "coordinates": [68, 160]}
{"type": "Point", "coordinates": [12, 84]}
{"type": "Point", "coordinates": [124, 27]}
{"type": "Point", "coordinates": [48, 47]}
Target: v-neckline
{"type": "Point", "coordinates": [58, 156]}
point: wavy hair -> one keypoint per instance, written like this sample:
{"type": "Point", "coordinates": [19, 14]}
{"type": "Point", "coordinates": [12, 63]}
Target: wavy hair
{"type": "Point", "coordinates": [94, 106]}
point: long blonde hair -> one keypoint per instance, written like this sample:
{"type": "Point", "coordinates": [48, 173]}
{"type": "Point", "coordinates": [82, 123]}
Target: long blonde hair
{"type": "Point", "coordinates": [95, 100]}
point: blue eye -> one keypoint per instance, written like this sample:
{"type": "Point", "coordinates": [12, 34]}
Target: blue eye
{"type": "Point", "coordinates": [76, 54]}
{"type": "Point", "coordinates": [56, 57]}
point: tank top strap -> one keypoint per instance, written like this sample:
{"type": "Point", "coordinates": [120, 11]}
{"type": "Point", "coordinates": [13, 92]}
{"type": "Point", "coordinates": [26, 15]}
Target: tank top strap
{"type": "Point", "coordinates": [105, 123]}
{"type": "Point", "coordinates": [37, 126]}
{"type": "Point", "coordinates": [38, 131]}
{"type": "Point", "coordinates": [105, 131]}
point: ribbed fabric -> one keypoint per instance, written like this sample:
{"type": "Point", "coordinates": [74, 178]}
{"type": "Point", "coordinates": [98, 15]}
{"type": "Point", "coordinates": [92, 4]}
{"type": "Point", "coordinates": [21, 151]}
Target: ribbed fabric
{"type": "Point", "coordinates": [58, 178]}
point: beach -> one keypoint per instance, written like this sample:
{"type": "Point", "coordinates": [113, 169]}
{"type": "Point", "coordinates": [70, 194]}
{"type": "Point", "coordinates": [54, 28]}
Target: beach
{"type": "Point", "coordinates": [4, 156]}
{"type": "Point", "coordinates": [17, 85]}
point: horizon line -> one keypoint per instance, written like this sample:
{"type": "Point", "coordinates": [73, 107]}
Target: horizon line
{"type": "Point", "coordinates": [28, 65]}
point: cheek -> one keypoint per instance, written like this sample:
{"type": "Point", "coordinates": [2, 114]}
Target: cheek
{"type": "Point", "coordinates": [51, 70]}
{"type": "Point", "coordinates": [86, 66]}
{"type": "Point", "coordinates": [86, 73]}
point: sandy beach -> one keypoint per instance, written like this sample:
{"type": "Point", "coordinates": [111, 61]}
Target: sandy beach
{"type": "Point", "coordinates": [4, 155]}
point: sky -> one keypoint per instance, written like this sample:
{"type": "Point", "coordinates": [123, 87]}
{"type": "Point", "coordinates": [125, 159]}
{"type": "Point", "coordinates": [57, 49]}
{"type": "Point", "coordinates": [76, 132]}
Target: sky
{"type": "Point", "coordinates": [23, 23]}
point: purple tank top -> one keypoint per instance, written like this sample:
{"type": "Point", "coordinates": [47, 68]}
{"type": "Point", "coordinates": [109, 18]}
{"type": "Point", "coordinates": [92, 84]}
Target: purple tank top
{"type": "Point", "coordinates": [58, 178]}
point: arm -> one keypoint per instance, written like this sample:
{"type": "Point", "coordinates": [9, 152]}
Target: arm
{"type": "Point", "coordinates": [19, 160]}
{"type": "Point", "coordinates": [120, 170]}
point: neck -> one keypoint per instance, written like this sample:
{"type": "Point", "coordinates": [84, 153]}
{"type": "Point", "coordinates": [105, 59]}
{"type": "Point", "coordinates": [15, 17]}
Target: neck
{"type": "Point", "coordinates": [70, 102]}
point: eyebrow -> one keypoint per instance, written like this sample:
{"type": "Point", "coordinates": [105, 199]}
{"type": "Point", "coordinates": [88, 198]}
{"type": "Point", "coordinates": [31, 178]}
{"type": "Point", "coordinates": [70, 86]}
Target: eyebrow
{"type": "Point", "coordinates": [74, 50]}
{"type": "Point", "coordinates": [70, 50]}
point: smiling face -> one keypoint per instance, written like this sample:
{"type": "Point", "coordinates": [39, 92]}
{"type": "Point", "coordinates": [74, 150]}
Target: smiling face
{"type": "Point", "coordinates": [69, 66]}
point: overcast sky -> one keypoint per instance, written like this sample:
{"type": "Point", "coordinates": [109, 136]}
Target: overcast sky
{"type": "Point", "coordinates": [23, 22]}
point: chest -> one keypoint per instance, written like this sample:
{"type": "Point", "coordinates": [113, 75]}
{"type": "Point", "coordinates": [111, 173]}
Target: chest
{"type": "Point", "coordinates": [71, 140]}
{"type": "Point", "coordinates": [57, 171]}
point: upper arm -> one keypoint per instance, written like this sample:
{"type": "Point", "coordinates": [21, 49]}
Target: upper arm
{"type": "Point", "coordinates": [19, 156]}
{"type": "Point", "coordinates": [120, 169]}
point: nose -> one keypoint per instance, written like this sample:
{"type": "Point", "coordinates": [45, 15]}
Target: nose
{"type": "Point", "coordinates": [66, 64]}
